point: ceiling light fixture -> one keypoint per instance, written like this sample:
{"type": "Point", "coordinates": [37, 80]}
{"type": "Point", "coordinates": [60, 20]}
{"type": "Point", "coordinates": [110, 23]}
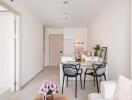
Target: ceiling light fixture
{"type": "Point", "coordinates": [65, 2]}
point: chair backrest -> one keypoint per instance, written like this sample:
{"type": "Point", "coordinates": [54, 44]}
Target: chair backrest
{"type": "Point", "coordinates": [103, 54]}
{"type": "Point", "coordinates": [69, 70]}
{"type": "Point", "coordinates": [101, 70]}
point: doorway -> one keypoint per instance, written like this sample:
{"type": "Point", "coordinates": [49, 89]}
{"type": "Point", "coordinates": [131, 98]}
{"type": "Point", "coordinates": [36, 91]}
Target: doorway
{"type": "Point", "coordinates": [9, 50]}
{"type": "Point", "coordinates": [55, 48]}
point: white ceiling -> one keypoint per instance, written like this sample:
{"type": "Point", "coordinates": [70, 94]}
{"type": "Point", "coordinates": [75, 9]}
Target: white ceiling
{"type": "Point", "coordinates": [78, 13]}
{"type": "Point", "coordinates": [3, 9]}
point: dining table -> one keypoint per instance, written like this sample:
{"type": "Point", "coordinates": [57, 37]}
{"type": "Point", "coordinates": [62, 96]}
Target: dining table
{"type": "Point", "coordinates": [87, 63]}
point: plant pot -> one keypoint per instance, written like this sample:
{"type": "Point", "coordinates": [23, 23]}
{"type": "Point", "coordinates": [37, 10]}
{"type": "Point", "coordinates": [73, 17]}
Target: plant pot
{"type": "Point", "coordinates": [96, 53]}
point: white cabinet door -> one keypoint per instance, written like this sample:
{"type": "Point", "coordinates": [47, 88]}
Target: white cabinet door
{"type": "Point", "coordinates": [71, 36]}
{"type": "Point", "coordinates": [68, 48]}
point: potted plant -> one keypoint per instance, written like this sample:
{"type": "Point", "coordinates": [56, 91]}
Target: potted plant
{"type": "Point", "coordinates": [97, 49]}
{"type": "Point", "coordinates": [47, 90]}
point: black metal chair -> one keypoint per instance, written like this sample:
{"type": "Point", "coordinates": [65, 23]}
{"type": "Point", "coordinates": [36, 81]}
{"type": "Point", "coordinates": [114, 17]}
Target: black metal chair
{"type": "Point", "coordinates": [98, 68]}
{"type": "Point", "coordinates": [72, 70]}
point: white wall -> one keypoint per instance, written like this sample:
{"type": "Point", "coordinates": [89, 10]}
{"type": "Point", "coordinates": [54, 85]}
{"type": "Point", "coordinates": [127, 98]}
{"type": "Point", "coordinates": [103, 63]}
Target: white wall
{"type": "Point", "coordinates": [131, 40]}
{"type": "Point", "coordinates": [112, 29]}
{"type": "Point", "coordinates": [31, 42]}
{"type": "Point", "coordinates": [7, 49]}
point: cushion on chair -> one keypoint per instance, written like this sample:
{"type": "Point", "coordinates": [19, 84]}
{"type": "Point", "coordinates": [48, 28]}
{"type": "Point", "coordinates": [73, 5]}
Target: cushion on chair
{"type": "Point", "coordinates": [95, 96]}
{"type": "Point", "coordinates": [108, 89]}
{"type": "Point", "coordinates": [124, 89]}
{"type": "Point", "coordinates": [101, 71]}
{"type": "Point", "coordinates": [70, 71]}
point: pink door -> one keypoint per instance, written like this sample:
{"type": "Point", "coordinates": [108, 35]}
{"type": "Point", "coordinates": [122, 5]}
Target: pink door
{"type": "Point", "coordinates": [56, 45]}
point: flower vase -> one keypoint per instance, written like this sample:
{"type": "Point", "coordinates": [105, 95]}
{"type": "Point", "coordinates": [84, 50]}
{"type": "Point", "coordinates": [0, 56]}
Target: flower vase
{"type": "Point", "coordinates": [44, 97]}
{"type": "Point", "coordinates": [48, 97]}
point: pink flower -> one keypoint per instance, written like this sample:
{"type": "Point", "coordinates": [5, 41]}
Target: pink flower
{"type": "Point", "coordinates": [45, 84]}
{"type": "Point", "coordinates": [47, 87]}
{"type": "Point", "coordinates": [53, 86]}
{"type": "Point", "coordinates": [43, 90]}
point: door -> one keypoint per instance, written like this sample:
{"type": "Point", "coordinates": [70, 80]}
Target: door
{"type": "Point", "coordinates": [56, 45]}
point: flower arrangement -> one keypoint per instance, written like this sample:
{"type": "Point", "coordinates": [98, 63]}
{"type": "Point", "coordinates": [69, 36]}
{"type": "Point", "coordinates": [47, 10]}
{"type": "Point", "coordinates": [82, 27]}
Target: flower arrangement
{"type": "Point", "coordinates": [48, 88]}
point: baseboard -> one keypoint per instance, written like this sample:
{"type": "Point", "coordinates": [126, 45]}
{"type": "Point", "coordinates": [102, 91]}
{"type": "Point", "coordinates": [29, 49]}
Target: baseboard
{"type": "Point", "coordinates": [46, 66]}
{"type": "Point", "coordinates": [31, 79]}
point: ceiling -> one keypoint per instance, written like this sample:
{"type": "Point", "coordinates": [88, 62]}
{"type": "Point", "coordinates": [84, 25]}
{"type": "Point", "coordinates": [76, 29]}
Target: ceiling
{"type": "Point", "coordinates": [3, 9]}
{"type": "Point", "coordinates": [67, 13]}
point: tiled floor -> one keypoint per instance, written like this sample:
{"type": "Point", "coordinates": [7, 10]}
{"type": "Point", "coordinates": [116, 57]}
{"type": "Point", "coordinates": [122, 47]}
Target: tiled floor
{"type": "Point", "coordinates": [31, 89]}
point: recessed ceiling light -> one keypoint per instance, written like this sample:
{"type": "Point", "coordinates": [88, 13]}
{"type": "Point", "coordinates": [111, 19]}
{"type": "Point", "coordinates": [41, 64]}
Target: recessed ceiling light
{"type": "Point", "coordinates": [66, 2]}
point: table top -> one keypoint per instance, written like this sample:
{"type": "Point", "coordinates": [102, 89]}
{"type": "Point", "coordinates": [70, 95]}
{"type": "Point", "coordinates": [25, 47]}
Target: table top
{"type": "Point", "coordinates": [82, 63]}
{"type": "Point", "coordinates": [57, 96]}
{"type": "Point", "coordinates": [88, 60]}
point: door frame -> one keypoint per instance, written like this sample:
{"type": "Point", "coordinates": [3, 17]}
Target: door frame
{"type": "Point", "coordinates": [17, 39]}
{"type": "Point", "coordinates": [44, 41]}
{"type": "Point", "coordinates": [18, 54]}
{"type": "Point", "coordinates": [49, 45]}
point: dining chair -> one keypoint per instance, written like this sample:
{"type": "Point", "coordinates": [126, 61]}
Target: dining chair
{"type": "Point", "coordinates": [98, 68]}
{"type": "Point", "coordinates": [72, 70]}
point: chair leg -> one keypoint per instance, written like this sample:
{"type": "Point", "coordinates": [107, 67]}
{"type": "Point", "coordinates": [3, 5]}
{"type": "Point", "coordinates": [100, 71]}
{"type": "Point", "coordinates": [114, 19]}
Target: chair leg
{"type": "Point", "coordinates": [81, 81]}
{"type": "Point", "coordinates": [94, 80]}
{"type": "Point", "coordinates": [84, 80]}
{"type": "Point", "coordinates": [63, 83]}
{"type": "Point", "coordinates": [105, 77]}
{"type": "Point", "coordinates": [97, 84]}
{"type": "Point", "coordinates": [67, 81]}
{"type": "Point", "coordinates": [76, 88]}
